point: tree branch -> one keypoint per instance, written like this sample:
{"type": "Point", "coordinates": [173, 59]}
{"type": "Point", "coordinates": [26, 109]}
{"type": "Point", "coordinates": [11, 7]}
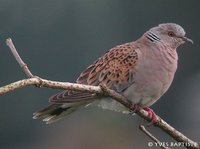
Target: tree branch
{"type": "Point", "coordinates": [102, 90]}
{"type": "Point", "coordinates": [49, 84]}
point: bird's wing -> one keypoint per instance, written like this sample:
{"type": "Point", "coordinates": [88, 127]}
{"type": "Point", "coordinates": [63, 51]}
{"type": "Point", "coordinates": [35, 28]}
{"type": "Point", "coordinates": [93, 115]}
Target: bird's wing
{"type": "Point", "coordinates": [116, 69]}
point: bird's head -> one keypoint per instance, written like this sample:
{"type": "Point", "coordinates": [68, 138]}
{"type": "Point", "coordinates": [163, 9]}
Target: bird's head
{"type": "Point", "coordinates": [170, 33]}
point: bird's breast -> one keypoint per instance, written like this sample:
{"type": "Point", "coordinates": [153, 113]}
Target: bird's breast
{"type": "Point", "coordinates": [154, 75]}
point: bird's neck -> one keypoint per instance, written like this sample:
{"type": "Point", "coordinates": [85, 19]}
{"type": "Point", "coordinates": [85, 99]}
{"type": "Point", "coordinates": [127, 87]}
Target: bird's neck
{"type": "Point", "coordinates": [151, 45]}
{"type": "Point", "coordinates": [151, 37]}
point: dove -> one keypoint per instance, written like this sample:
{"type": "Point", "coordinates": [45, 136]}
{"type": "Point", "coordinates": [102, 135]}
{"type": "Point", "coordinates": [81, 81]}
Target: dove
{"type": "Point", "coordinates": [141, 70]}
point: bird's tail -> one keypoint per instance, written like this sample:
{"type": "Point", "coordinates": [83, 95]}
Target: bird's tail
{"type": "Point", "coordinates": [56, 112]}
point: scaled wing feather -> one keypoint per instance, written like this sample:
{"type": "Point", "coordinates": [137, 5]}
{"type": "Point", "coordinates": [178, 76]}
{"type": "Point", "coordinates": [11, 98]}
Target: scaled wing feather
{"type": "Point", "coordinates": [115, 69]}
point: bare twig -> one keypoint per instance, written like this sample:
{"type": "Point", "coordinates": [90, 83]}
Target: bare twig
{"type": "Point", "coordinates": [143, 129]}
{"type": "Point", "coordinates": [102, 90]}
{"type": "Point", "coordinates": [18, 58]}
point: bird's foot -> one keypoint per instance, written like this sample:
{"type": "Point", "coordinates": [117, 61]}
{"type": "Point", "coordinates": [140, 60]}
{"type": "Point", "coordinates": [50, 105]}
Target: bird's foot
{"type": "Point", "coordinates": [135, 108]}
{"type": "Point", "coordinates": [152, 115]}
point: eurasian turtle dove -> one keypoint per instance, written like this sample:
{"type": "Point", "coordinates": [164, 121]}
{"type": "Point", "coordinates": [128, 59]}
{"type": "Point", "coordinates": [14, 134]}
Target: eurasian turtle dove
{"type": "Point", "coordinates": [141, 70]}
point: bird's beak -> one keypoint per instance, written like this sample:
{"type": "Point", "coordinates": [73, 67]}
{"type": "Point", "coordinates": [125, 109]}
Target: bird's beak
{"type": "Point", "coordinates": [187, 39]}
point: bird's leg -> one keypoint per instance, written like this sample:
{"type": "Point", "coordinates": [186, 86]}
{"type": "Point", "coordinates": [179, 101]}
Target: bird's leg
{"type": "Point", "coordinates": [152, 115]}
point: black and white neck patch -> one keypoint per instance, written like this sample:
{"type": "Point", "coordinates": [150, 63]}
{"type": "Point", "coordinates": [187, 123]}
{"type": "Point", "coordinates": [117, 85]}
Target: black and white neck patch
{"type": "Point", "coordinates": [152, 37]}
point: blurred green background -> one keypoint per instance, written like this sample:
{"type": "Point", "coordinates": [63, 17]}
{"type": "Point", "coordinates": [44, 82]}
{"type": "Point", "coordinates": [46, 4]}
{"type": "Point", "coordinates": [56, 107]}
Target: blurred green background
{"type": "Point", "coordinates": [58, 39]}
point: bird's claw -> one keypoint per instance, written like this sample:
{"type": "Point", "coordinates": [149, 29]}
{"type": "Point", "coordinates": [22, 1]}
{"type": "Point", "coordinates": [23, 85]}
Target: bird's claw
{"type": "Point", "coordinates": [152, 115]}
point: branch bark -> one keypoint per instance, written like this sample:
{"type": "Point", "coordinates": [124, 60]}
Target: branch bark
{"type": "Point", "coordinates": [101, 90]}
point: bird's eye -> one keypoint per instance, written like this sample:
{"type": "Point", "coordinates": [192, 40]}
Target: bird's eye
{"type": "Point", "coordinates": [171, 34]}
